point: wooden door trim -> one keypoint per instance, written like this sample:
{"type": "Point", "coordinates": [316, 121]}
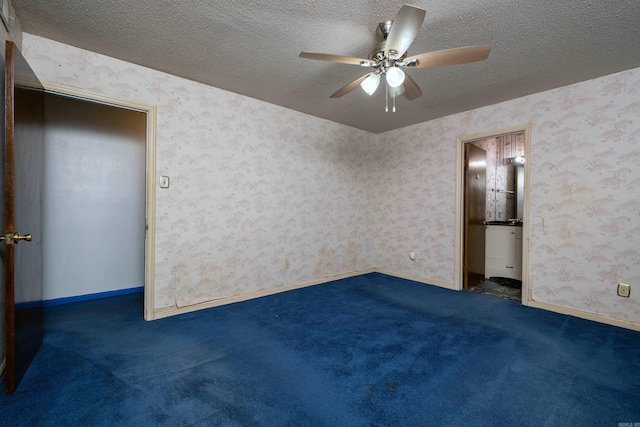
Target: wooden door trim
{"type": "Point", "coordinates": [526, 232]}
{"type": "Point", "coordinates": [151, 112]}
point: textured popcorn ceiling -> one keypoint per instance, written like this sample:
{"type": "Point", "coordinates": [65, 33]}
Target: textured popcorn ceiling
{"type": "Point", "coordinates": [252, 47]}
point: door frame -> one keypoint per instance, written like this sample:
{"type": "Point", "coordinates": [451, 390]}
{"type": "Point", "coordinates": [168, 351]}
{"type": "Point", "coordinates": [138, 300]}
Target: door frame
{"type": "Point", "coordinates": [526, 231]}
{"type": "Point", "coordinates": [151, 112]}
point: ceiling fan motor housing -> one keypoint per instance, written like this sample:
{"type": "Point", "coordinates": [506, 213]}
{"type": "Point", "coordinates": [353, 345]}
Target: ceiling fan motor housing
{"type": "Point", "coordinates": [378, 52]}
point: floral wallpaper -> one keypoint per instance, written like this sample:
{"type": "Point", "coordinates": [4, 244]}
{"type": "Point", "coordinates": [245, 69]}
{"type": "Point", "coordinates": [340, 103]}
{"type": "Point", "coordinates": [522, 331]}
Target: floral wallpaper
{"type": "Point", "coordinates": [585, 181]}
{"type": "Point", "coordinates": [255, 185]}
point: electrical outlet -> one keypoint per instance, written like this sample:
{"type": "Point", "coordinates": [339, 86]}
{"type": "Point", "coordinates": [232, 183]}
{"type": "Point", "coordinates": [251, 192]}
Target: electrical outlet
{"type": "Point", "coordinates": [624, 290]}
{"type": "Point", "coordinates": [287, 264]}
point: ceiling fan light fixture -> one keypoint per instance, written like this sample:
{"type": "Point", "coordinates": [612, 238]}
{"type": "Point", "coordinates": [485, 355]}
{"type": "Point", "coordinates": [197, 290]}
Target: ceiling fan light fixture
{"type": "Point", "coordinates": [396, 91]}
{"type": "Point", "coordinates": [395, 77]}
{"type": "Point", "coordinates": [370, 84]}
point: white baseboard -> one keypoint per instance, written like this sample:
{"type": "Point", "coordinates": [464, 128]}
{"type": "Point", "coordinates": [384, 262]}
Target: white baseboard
{"type": "Point", "coordinates": [584, 315]}
{"type": "Point", "coordinates": [530, 303]}
{"type": "Point", "coordinates": [438, 283]}
{"type": "Point", "coordinates": [172, 311]}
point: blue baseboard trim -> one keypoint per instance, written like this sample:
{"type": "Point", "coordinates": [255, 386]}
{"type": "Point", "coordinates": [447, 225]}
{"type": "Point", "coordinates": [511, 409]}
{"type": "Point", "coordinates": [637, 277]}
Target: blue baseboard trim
{"type": "Point", "coordinates": [99, 295]}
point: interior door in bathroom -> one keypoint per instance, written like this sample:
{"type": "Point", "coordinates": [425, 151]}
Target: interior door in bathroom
{"type": "Point", "coordinates": [475, 186]}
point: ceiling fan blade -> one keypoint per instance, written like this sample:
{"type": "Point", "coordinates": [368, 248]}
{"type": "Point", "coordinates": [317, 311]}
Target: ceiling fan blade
{"type": "Point", "coordinates": [455, 56]}
{"type": "Point", "coordinates": [351, 86]}
{"type": "Point", "coordinates": [404, 29]}
{"type": "Point", "coordinates": [334, 58]}
{"type": "Point", "coordinates": [411, 89]}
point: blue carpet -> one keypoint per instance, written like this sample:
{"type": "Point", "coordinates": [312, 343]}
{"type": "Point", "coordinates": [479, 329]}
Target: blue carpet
{"type": "Point", "coordinates": [366, 351]}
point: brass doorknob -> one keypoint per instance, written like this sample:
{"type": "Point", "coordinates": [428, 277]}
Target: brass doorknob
{"type": "Point", "coordinates": [17, 237]}
{"type": "Point", "coordinates": [10, 239]}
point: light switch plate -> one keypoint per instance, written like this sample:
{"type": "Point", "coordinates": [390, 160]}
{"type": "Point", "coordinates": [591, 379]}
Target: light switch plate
{"type": "Point", "coordinates": [164, 182]}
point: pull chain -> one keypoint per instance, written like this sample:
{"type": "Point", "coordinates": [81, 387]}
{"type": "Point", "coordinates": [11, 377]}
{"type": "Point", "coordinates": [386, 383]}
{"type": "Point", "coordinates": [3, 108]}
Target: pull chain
{"type": "Point", "coordinates": [394, 102]}
{"type": "Point", "coordinates": [386, 98]}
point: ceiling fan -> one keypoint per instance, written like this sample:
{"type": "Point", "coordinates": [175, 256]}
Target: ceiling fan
{"type": "Point", "coordinates": [390, 56]}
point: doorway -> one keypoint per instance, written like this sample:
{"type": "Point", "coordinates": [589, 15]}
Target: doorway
{"type": "Point", "coordinates": [505, 220]}
{"type": "Point", "coordinates": [141, 230]}
{"type": "Point", "coordinates": [94, 184]}
{"type": "Point", "coordinates": [23, 185]}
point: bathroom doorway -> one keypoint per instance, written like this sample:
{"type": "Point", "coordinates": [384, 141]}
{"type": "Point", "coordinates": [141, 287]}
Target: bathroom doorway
{"type": "Point", "coordinates": [497, 237]}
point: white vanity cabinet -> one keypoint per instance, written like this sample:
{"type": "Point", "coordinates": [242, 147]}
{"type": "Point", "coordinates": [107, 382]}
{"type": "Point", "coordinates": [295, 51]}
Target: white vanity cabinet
{"type": "Point", "coordinates": [503, 251]}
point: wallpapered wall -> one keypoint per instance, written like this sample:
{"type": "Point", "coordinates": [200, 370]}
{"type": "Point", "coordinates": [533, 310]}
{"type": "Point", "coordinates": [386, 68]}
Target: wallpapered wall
{"type": "Point", "coordinates": [253, 184]}
{"type": "Point", "coordinates": [585, 181]}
